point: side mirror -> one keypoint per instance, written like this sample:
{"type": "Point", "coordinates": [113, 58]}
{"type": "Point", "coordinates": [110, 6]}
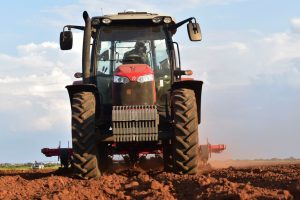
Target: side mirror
{"type": "Point", "coordinates": [66, 40]}
{"type": "Point", "coordinates": [194, 31]}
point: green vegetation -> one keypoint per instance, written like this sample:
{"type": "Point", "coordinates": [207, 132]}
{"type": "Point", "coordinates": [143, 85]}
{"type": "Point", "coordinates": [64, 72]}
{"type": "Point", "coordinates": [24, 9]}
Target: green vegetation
{"type": "Point", "coordinates": [26, 166]}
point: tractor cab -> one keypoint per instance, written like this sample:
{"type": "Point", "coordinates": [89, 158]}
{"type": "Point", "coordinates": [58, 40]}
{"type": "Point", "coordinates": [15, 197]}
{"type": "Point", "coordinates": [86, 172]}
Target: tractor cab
{"type": "Point", "coordinates": [135, 56]}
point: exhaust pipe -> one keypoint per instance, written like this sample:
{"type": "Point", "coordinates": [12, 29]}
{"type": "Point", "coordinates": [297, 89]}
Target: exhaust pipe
{"type": "Point", "coordinates": [86, 48]}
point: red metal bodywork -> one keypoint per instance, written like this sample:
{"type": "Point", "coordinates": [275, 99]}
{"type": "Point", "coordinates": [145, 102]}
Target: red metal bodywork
{"type": "Point", "coordinates": [57, 152]}
{"type": "Point", "coordinates": [134, 90]}
{"type": "Point", "coordinates": [207, 149]}
{"type": "Point", "coordinates": [133, 71]}
{"type": "Point", "coordinates": [186, 79]}
{"type": "Point", "coordinates": [217, 148]}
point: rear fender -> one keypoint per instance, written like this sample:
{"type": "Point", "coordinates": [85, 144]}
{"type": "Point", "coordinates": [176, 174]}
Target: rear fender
{"type": "Point", "coordinates": [73, 89]}
{"type": "Point", "coordinates": [196, 86]}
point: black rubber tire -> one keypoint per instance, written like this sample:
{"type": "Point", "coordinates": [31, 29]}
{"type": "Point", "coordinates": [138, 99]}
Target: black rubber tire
{"type": "Point", "coordinates": [185, 140]}
{"type": "Point", "coordinates": [85, 151]}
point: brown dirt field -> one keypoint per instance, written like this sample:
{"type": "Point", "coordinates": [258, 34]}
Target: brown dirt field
{"type": "Point", "coordinates": [280, 181]}
{"type": "Point", "coordinates": [217, 164]}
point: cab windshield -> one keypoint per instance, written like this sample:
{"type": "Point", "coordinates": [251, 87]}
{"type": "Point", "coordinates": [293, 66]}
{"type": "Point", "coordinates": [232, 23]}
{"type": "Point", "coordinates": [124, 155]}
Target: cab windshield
{"type": "Point", "coordinates": [117, 45]}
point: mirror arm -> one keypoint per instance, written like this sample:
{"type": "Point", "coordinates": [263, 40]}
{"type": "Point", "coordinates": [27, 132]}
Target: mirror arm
{"type": "Point", "coordinates": [73, 26]}
{"type": "Point", "coordinates": [175, 26]}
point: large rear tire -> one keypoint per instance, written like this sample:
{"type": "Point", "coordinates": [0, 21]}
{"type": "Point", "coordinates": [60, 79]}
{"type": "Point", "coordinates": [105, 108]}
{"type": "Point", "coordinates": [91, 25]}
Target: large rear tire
{"type": "Point", "coordinates": [185, 140]}
{"type": "Point", "coordinates": [85, 151]}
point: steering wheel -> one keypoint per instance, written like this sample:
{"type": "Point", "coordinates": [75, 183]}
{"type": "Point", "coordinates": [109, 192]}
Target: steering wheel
{"type": "Point", "coordinates": [133, 58]}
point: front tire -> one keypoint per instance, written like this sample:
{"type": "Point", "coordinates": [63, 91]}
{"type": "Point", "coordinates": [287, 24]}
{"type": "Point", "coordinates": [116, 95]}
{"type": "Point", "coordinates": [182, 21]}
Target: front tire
{"type": "Point", "coordinates": [85, 152]}
{"type": "Point", "coordinates": [185, 141]}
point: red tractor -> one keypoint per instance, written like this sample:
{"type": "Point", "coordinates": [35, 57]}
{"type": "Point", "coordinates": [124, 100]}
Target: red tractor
{"type": "Point", "coordinates": [132, 98]}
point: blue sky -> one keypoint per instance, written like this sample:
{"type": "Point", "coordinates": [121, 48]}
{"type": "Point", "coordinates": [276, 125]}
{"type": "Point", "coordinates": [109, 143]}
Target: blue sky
{"type": "Point", "coordinates": [249, 61]}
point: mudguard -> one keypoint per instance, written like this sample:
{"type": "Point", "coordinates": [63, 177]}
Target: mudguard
{"type": "Point", "coordinates": [193, 85]}
{"type": "Point", "coordinates": [72, 89]}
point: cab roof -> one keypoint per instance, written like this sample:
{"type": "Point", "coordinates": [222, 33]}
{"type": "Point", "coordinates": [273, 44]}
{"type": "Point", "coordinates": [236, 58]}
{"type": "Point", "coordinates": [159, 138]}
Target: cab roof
{"type": "Point", "coordinates": [133, 15]}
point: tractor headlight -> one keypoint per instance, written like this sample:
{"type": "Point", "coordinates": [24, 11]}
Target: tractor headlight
{"type": "Point", "coordinates": [95, 22]}
{"type": "Point", "coordinates": [145, 78]}
{"type": "Point", "coordinates": [106, 20]}
{"type": "Point", "coordinates": [167, 20]}
{"type": "Point", "coordinates": [157, 19]}
{"type": "Point", "coordinates": [120, 79]}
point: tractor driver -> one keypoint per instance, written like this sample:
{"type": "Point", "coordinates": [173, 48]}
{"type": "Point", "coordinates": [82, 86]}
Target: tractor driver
{"type": "Point", "coordinates": [137, 55]}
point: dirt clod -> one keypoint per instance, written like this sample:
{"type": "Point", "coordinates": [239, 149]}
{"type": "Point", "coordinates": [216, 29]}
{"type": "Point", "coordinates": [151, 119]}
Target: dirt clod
{"type": "Point", "coordinates": [132, 185]}
{"type": "Point", "coordinates": [155, 185]}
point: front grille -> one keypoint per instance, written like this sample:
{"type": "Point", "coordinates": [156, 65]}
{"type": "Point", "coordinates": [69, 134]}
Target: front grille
{"type": "Point", "coordinates": [133, 93]}
{"type": "Point", "coordinates": [135, 123]}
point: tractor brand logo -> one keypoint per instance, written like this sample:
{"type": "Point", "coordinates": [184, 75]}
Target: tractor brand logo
{"type": "Point", "coordinates": [133, 78]}
{"type": "Point", "coordinates": [132, 68]}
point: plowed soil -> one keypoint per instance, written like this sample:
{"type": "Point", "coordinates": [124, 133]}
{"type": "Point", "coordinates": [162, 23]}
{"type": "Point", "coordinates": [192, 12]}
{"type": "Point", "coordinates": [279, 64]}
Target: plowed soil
{"type": "Point", "coordinates": [281, 181]}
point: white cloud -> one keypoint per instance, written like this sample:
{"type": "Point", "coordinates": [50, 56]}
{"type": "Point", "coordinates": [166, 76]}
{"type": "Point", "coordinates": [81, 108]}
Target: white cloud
{"type": "Point", "coordinates": [214, 2]}
{"type": "Point", "coordinates": [56, 113]}
{"type": "Point", "coordinates": [239, 47]}
{"type": "Point", "coordinates": [34, 48]}
{"type": "Point", "coordinates": [295, 24]}
{"type": "Point", "coordinates": [33, 83]}
{"type": "Point", "coordinates": [283, 46]}
{"type": "Point", "coordinates": [9, 80]}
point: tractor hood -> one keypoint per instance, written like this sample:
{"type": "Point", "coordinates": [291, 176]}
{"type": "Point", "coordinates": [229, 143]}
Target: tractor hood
{"type": "Point", "coordinates": [133, 71]}
{"type": "Point", "coordinates": [133, 85]}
